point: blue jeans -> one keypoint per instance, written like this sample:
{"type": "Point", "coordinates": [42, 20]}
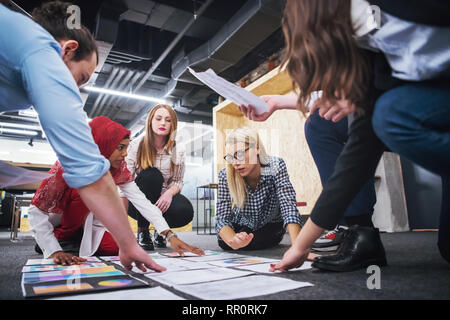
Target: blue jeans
{"type": "Point", "coordinates": [326, 140]}
{"type": "Point", "coordinates": [414, 121]}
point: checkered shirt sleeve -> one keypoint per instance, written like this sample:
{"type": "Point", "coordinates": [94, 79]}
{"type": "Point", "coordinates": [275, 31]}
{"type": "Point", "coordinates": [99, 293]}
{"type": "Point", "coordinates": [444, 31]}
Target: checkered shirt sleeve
{"type": "Point", "coordinates": [286, 194]}
{"type": "Point", "coordinates": [223, 205]}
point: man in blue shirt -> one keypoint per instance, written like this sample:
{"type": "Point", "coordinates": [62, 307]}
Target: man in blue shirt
{"type": "Point", "coordinates": [37, 69]}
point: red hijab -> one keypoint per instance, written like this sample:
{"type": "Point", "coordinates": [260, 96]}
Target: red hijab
{"type": "Point", "coordinates": [53, 193]}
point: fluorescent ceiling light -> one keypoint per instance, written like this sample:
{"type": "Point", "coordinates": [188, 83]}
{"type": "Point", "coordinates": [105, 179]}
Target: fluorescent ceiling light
{"type": "Point", "coordinates": [28, 112]}
{"type": "Point", "coordinates": [19, 126]}
{"type": "Point", "coordinates": [16, 131]}
{"type": "Point", "coordinates": [124, 94]}
{"type": "Point", "coordinates": [37, 151]}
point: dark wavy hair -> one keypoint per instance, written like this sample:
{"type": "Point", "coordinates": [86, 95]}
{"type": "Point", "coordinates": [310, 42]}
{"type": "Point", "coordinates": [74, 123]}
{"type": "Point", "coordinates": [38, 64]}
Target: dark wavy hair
{"type": "Point", "coordinates": [52, 16]}
{"type": "Point", "coordinates": [321, 52]}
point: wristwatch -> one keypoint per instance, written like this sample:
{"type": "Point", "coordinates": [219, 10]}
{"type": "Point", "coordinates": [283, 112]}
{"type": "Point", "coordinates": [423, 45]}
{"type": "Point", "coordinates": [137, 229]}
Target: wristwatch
{"type": "Point", "coordinates": [169, 235]}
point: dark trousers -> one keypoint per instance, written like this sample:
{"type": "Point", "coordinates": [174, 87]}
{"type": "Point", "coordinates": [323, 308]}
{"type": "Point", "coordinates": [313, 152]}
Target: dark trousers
{"type": "Point", "coordinates": [150, 182]}
{"type": "Point", "coordinates": [268, 236]}
{"type": "Point", "coordinates": [414, 121]}
{"type": "Point", "coordinates": [326, 140]}
{"type": "Point", "coordinates": [354, 167]}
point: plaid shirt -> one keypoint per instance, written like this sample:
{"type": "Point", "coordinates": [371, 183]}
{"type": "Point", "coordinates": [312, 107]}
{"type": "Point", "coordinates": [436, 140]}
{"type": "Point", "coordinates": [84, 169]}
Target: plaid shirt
{"type": "Point", "coordinates": [273, 200]}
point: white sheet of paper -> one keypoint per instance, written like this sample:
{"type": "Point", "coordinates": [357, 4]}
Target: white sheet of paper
{"type": "Point", "coordinates": [188, 254]}
{"type": "Point", "coordinates": [177, 255]}
{"type": "Point", "coordinates": [34, 262]}
{"type": "Point", "coordinates": [156, 293]}
{"type": "Point", "coordinates": [214, 257]}
{"type": "Point", "coordinates": [54, 267]}
{"type": "Point", "coordinates": [153, 255]}
{"type": "Point", "coordinates": [230, 91]}
{"type": "Point", "coordinates": [173, 265]}
{"type": "Point", "coordinates": [11, 175]}
{"type": "Point", "coordinates": [237, 262]}
{"type": "Point", "coordinates": [197, 276]}
{"type": "Point", "coordinates": [110, 258]}
{"type": "Point", "coordinates": [246, 287]}
{"type": "Point", "coordinates": [264, 267]}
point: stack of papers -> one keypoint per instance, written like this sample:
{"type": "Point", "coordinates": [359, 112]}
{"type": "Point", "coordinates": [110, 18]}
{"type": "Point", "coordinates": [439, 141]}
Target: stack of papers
{"type": "Point", "coordinates": [239, 288]}
{"type": "Point", "coordinates": [216, 275]}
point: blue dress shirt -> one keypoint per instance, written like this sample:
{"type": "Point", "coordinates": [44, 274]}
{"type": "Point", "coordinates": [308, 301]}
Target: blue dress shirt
{"type": "Point", "coordinates": [33, 73]}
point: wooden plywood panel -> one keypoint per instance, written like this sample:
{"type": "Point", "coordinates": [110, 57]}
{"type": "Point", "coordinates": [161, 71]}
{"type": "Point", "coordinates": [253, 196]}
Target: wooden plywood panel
{"type": "Point", "coordinates": [283, 136]}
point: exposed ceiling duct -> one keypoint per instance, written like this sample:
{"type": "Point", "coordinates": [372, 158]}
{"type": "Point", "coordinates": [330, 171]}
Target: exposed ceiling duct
{"type": "Point", "coordinates": [252, 24]}
{"type": "Point", "coordinates": [172, 45]}
{"type": "Point", "coordinates": [146, 46]}
{"type": "Point", "coordinates": [157, 40]}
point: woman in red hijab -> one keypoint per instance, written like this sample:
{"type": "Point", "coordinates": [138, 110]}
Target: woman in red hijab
{"type": "Point", "coordinates": [58, 215]}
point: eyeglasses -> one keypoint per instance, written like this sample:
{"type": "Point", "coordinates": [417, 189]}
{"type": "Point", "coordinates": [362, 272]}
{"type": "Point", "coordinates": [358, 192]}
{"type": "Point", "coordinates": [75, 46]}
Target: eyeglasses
{"type": "Point", "coordinates": [238, 155]}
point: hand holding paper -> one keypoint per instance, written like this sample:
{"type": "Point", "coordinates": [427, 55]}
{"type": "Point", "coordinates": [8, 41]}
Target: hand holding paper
{"type": "Point", "coordinates": [250, 111]}
{"type": "Point", "coordinates": [230, 91]}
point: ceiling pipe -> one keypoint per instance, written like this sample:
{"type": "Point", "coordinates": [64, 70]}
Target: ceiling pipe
{"type": "Point", "coordinates": [121, 100]}
{"type": "Point", "coordinates": [28, 119]}
{"type": "Point", "coordinates": [109, 99]}
{"type": "Point", "coordinates": [114, 99]}
{"type": "Point", "coordinates": [20, 132]}
{"type": "Point", "coordinates": [18, 8]}
{"type": "Point", "coordinates": [101, 104]}
{"type": "Point", "coordinates": [115, 61]}
{"type": "Point", "coordinates": [161, 58]}
{"type": "Point", "coordinates": [120, 57]}
{"type": "Point", "coordinates": [113, 86]}
{"type": "Point", "coordinates": [100, 96]}
{"type": "Point", "coordinates": [128, 55]}
{"type": "Point", "coordinates": [172, 45]}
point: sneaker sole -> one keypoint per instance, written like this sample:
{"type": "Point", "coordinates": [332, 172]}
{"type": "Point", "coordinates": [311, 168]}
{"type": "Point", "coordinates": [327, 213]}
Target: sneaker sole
{"type": "Point", "coordinates": [325, 249]}
{"type": "Point", "coordinates": [147, 248]}
{"type": "Point", "coordinates": [381, 262]}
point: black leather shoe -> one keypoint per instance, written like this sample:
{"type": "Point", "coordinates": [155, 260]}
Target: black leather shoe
{"type": "Point", "coordinates": [159, 241]}
{"type": "Point", "coordinates": [361, 247]}
{"type": "Point", "coordinates": [145, 241]}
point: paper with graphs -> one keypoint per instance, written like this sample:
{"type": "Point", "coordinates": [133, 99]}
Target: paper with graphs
{"type": "Point", "coordinates": [245, 287]}
{"type": "Point", "coordinates": [265, 267]}
{"type": "Point", "coordinates": [230, 91]}
{"type": "Point", "coordinates": [197, 276]}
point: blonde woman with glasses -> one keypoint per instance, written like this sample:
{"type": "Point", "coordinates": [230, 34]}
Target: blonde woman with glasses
{"type": "Point", "coordinates": [256, 201]}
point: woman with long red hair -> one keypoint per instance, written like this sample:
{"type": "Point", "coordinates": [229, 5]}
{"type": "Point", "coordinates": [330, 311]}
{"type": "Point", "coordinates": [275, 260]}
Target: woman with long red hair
{"type": "Point", "coordinates": [73, 223]}
{"type": "Point", "coordinates": [158, 164]}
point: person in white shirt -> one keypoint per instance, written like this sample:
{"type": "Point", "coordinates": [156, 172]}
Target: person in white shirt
{"type": "Point", "coordinates": [159, 166]}
{"type": "Point", "coordinates": [76, 224]}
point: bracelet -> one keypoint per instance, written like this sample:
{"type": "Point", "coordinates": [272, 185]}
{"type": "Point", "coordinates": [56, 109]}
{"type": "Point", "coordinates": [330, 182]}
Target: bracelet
{"type": "Point", "coordinates": [170, 234]}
